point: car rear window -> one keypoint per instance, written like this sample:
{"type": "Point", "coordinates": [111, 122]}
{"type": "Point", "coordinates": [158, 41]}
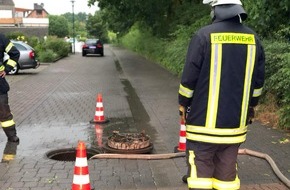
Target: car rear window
{"type": "Point", "coordinates": [92, 41]}
{"type": "Point", "coordinates": [19, 47]}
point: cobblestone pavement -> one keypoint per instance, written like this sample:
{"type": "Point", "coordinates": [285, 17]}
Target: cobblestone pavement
{"type": "Point", "coordinates": [54, 104]}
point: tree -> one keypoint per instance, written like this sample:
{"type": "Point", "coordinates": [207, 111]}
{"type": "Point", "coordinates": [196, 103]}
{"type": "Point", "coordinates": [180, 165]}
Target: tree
{"type": "Point", "coordinates": [122, 14]}
{"type": "Point", "coordinates": [267, 16]}
{"type": "Point", "coordinates": [96, 27]}
{"type": "Point", "coordinates": [58, 26]}
{"type": "Point", "coordinates": [79, 23]}
{"type": "Point", "coordinates": [81, 17]}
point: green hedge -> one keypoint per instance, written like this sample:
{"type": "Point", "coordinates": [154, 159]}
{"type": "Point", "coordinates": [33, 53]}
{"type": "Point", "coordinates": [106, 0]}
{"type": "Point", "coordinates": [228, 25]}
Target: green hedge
{"type": "Point", "coordinates": [52, 49]}
{"type": "Point", "coordinates": [47, 50]}
{"type": "Point", "coordinates": [278, 77]}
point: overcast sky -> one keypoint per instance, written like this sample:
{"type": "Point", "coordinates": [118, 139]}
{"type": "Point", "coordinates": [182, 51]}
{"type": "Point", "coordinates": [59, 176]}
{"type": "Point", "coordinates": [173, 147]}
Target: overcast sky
{"type": "Point", "coordinates": [57, 7]}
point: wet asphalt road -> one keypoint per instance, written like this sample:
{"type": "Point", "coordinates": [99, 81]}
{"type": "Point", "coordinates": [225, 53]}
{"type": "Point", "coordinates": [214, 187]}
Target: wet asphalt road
{"type": "Point", "coordinates": [54, 104]}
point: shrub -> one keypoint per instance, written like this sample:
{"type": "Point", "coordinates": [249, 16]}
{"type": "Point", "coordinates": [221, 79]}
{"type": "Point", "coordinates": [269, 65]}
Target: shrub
{"type": "Point", "coordinates": [58, 46]}
{"type": "Point", "coordinates": [47, 56]}
{"type": "Point", "coordinates": [277, 77]}
{"type": "Point", "coordinates": [169, 54]}
{"type": "Point", "coordinates": [285, 97]}
{"type": "Point", "coordinates": [33, 41]}
{"type": "Point", "coordinates": [16, 36]}
{"type": "Point", "coordinates": [51, 49]}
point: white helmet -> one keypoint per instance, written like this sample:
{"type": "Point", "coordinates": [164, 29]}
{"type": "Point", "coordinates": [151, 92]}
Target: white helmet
{"type": "Point", "coordinates": [222, 2]}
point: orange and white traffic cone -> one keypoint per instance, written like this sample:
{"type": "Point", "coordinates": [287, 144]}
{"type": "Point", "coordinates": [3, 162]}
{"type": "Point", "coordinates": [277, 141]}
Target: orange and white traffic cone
{"type": "Point", "coordinates": [99, 135]}
{"type": "Point", "coordinates": [182, 138]}
{"type": "Point", "coordinates": [99, 114]}
{"type": "Point", "coordinates": [81, 179]}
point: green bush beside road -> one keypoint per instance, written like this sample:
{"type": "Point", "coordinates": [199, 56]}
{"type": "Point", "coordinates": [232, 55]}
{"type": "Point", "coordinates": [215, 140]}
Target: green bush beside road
{"type": "Point", "coordinates": [278, 78]}
{"type": "Point", "coordinates": [52, 49]}
{"type": "Point", "coordinates": [47, 50]}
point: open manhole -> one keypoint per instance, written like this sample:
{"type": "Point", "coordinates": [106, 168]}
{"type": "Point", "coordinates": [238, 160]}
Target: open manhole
{"type": "Point", "coordinates": [69, 154]}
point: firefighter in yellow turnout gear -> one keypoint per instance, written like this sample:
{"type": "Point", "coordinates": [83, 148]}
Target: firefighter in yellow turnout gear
{"type": "Point", "coordinates": [6, 118]}
{"type": "Point", "coordinates": [221, 82]}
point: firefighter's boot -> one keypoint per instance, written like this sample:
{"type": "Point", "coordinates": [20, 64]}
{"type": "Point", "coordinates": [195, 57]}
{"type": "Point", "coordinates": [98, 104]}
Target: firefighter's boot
{"type": "Point", "coordinates": [9, 151]}
{"type": "Point", "coordinates": [11, 134]}
{"type": "Point", "coordinates": [184, 178]}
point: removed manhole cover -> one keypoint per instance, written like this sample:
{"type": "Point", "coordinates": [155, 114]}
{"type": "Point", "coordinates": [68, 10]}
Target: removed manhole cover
{"type": "Point", "coordinates": [69, 154]}
{"type": "Point", "coordinates": [108, 149]}
{"type": "Point", "coordinates": [128, 143]}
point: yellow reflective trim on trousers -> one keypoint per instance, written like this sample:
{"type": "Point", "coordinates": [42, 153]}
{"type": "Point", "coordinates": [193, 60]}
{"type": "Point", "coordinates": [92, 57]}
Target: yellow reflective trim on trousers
{"type": "Point", "coordinates": [227, 185]}
{"type": "Point", "coordinates": [232, 38]}
{"type": "Point", "coordinates": [214, 85]}
{"type": "Point", "coordinates": [193, 181]}
{"type": "Point", "coordinates": [216, 139]}
{"type": "Point", "coordinates": [199, 183]}
{"type": "Point", "coordinates": [7, 123]}
{"type": "Point", "coordinates": [8, 47]}
{"type": "Point", "coordinates": [186, 92]}
{"type": "Point", "coordinates": [2, 68]}
{"type": "Point", "coordinates": [193, 172]}
{"type": "Point", "coordinates": [11, 63]}
{"type": "Point", "coordinates": [216, 131]}
{"type": "Point", "coordinates": [257, 92]}
{"type": "Point", "coordinates": [251, 55]}
{"type": "Point", "coordinates": [8, 157]}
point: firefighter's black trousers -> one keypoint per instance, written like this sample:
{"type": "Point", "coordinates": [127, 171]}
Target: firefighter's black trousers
{"type": "Point", "coordinates": [212, 166]}
{"type": "Point", "coordinates": [6, 117]}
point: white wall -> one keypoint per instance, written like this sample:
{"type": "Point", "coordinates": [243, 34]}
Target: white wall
{"type": "Point", "coordinates": [6, 14]}
{"type": "Point", "coordinates": [35, 22]}
{"type": "Point", "coordinates": [78, 46]}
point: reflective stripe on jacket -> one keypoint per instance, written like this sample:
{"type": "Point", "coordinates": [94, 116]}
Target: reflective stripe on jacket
{"type": "Point", "coordinates": [7, 47]}
{"type": "Point", "coordinates": [223, 76]}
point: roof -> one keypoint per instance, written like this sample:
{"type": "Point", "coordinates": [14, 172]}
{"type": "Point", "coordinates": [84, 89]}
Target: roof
{"type": "Point", "coordinates": [6, 2]}
{"type": "Point", "coordinates": [22, 9]}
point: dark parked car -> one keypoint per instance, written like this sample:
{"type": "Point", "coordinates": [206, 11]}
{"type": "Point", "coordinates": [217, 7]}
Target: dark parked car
{"type": "Point", "coordinates": [27, 57]}
{"type": "Point", "coordinates": [93, 46]}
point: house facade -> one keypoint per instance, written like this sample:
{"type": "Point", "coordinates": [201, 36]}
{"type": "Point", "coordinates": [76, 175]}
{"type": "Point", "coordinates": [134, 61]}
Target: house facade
{"type": "Point", "coordinates": [7, 11]}
{"type": "Point", "coordinates": [38, 12]}
{"type": "Point", "coordinates": [11, 16]}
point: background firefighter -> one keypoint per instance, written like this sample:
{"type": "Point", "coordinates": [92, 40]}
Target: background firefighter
{"type": "Point", "coordinates": [221, 82]}
{"type": "Point", "coordinates": [6, 118]}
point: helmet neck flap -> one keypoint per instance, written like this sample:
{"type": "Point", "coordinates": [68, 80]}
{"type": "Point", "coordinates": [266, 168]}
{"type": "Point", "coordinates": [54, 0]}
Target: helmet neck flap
{"type": "Point", "coordinates": [226, 9]}
{"type": "Point", "coordinates": [225, 12]}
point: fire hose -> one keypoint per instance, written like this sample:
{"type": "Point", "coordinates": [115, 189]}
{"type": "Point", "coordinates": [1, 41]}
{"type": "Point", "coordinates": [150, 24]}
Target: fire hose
{"type": "Point", "coordinates": [273, 165]}
{"type": "Point", "coordinates": [249, 152]}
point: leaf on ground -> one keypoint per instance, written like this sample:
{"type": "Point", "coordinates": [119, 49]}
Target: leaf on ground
{"type": "Point", "coordinates": [284, 141]}
{"type": "Point", "coordinates": [51, 180]}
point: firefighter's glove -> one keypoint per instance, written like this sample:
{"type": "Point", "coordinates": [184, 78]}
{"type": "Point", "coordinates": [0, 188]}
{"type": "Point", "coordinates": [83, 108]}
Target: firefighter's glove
{"type": "Point", "coordinates": [2, 70]}
{"type": "Point", "coordinates": [182, 112]}
{"type": "Point", "coordinates": [251, 114]}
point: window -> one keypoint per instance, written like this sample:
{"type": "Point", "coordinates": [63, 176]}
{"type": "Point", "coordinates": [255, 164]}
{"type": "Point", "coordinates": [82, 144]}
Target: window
{"type": "Point", "coordinates": [38, 12]}
{"type": "Point", "coordinates": [19, 47]}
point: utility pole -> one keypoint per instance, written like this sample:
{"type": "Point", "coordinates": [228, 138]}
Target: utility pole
{"type": "Point", "coordinates": [73, 22]}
